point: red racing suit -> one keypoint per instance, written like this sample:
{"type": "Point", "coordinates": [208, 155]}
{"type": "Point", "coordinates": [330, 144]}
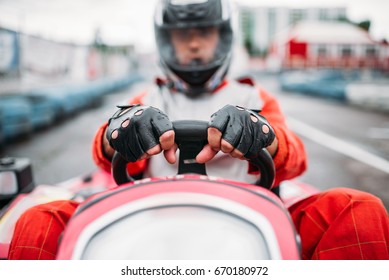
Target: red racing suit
{"type": "Point", "coordinates": [336, 224]}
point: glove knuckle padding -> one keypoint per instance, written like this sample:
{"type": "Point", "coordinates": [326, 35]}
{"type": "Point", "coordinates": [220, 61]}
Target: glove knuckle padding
{"type": "Point", "coordinates": [146, 125]}
{"type": "Point", "coordinates": [241, 131]}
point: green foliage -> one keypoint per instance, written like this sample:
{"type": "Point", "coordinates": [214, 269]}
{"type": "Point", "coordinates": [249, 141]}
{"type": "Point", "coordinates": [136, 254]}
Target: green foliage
{"type": "Point", "coordinates": [248, 45]}
{"type": "Point", "coordinates": [365, 24]}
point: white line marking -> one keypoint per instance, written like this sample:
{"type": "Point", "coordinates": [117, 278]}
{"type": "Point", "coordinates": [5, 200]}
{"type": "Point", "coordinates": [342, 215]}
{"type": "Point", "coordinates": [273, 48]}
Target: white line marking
{"type": "Point", "coordinates": [338, 145]}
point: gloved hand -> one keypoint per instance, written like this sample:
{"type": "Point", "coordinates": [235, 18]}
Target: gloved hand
{"type": "Point", "coordinates": [138, 132]}
{"type": "Point", "coordinates": [238, 131]}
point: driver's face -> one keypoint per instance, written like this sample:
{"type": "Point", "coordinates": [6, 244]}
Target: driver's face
{"type": "Point", "coordinates": [195, 45]}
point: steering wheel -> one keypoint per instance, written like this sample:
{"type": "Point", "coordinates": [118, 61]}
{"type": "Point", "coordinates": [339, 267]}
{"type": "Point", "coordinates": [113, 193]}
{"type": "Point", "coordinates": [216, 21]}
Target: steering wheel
{"type": "Point", "coordinates": [191, 136]}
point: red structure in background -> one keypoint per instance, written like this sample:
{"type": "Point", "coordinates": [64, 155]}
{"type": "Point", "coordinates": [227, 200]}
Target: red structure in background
{"type": "Point", "coordinates": [299, 49]}
{"type": "Point", "coordinates": [329, 45]}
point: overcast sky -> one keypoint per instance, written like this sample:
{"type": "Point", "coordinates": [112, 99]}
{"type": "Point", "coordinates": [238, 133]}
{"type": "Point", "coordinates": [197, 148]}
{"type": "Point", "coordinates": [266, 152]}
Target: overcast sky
{"type": "Point", "coordinates": [123, 21]}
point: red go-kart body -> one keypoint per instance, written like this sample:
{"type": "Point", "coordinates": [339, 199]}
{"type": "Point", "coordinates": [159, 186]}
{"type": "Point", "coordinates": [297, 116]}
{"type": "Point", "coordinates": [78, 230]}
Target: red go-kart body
{"type": "Point", "coordinates": [181, 217]}
{"type": "Point", "coordinates": [186, 216]}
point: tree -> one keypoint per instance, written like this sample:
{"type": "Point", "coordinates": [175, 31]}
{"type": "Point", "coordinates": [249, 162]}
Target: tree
{"type": "Point", "coordinates": [365, 24]}
{"type": "Point", "coordinates": [248, 45]}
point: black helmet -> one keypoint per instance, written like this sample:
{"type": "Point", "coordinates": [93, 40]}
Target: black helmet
{"type": "Point", "coordinates": [196, 76]}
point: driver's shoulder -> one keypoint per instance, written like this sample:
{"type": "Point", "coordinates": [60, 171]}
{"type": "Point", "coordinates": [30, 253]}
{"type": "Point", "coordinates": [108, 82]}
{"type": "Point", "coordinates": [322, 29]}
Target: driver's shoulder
{"type": "Point", "coordinates": [145, 95]}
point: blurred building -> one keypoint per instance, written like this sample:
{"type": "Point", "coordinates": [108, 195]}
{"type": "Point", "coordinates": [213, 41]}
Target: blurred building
{"type": "Point", "coordinates": [331, 44]}
{"type": "Point", "coordinates": [285, 37]}
{"type": "Point", "coordinates": [259, 24]}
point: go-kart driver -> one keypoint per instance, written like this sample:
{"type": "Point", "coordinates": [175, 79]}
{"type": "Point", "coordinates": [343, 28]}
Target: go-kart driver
{"type": "Point", "coordinates": [194, 40]}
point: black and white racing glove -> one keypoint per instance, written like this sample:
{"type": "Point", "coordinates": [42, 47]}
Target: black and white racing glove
{"type": "Point", "coordinates": [135, 129]}
{"type": "Point", "coordinates": [244, 129]}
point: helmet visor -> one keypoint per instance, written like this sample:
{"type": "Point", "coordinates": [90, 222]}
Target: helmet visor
{"type": "Point", "coordinates": [194, 49]}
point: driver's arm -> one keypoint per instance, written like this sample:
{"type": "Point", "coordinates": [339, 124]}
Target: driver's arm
{"type": "Point", "coordinates": [103, 158]}
{"type": "Point", "coordinates": [102, 151]}
{"type": "Point", "coordinates": [290, 158]}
